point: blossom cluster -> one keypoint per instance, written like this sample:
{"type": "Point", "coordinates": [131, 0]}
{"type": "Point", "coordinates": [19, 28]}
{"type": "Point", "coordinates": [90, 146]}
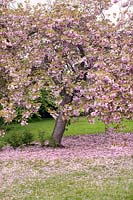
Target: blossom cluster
{"type": "Point", "coordinates": [73, 51]}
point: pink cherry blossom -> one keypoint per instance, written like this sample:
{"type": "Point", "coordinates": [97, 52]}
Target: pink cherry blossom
{"type": "Point", "coordinates": [82, 58]}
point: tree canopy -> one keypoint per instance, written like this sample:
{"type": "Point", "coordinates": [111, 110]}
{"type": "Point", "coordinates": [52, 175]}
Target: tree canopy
{"type": "Point", "coordinates": [72, 50]}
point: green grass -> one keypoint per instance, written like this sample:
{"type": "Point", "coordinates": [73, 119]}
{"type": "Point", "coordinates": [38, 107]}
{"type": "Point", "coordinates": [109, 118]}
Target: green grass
{"type": "Point", "coordinates": [66, 179]}
{"type": "Point", "coordinates": [78, 126]}
{"type": "Point", "coordinates": [96, 179]}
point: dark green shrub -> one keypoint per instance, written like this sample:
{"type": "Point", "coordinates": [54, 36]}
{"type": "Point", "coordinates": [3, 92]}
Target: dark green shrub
{"type": "Point", "coordinates": [41, 137]}
{"type": "Point", "coordinates": [16, 139]}
{"type": "Point", "coordinates": [2, 144]}
{"type": "Point", "coordinates": [27, 137]}
{"type": "Point", "coordinates": [53, 143]}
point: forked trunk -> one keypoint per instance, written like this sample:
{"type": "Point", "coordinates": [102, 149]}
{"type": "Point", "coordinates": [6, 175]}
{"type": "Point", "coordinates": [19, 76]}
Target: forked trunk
{"type": "Point", "coordinates": [58, 130]}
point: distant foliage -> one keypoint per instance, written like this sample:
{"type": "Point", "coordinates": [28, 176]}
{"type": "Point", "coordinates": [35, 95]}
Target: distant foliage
{"type": "Point", "coordinates": [47, 103]}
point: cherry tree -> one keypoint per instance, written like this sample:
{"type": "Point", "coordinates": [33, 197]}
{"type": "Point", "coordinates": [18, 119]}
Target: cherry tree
{"type": "Point", "coordinates": [71, 49]}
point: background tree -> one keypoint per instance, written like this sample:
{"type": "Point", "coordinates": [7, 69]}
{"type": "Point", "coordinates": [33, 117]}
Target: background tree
{"type": "Point", "coordinates": [47, 104]}
{"type": "Point", "coordinates": [71, 50]}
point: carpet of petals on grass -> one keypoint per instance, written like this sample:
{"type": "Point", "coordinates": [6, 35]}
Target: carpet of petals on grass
{"type": "Point", "coordinates": [82, 146]}
{"type": "Point", "coordinates": [89, 167]}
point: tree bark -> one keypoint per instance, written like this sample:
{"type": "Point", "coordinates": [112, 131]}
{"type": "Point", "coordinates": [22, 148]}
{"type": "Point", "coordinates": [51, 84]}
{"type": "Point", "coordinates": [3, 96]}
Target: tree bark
{"type": "Point", "coordinates": [60, 123]}
{"type": "Point", "coordinates": [59, 130]}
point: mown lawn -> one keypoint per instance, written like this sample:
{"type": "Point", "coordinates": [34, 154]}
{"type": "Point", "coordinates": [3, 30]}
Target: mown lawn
{"type": "Point", "coordinates": [73, 179]}
{"type": "Point", "coordinates": [78, 126]}
{"type": "Point", "coordinates": [40, 177]}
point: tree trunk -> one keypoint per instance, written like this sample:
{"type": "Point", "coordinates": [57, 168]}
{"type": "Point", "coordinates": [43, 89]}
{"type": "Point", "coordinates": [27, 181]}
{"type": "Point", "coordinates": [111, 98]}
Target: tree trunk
{"type": "Point", "coordinates": [58, 130]}
{"type": "Point", "coordinates": [60, 123]}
